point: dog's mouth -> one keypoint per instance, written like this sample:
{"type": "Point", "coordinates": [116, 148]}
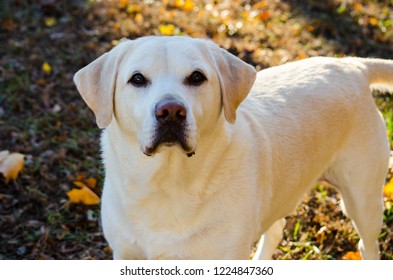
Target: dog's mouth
{"type": "Point", "coordinates": [168, 136]}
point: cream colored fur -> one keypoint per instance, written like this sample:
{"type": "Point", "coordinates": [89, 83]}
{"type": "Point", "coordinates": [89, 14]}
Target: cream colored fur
{"type": "Point", "coordinates": [302, 122]}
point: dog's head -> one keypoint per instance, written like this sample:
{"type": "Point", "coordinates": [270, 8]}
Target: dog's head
{"type": "Point", "coordinates": [166, 91]}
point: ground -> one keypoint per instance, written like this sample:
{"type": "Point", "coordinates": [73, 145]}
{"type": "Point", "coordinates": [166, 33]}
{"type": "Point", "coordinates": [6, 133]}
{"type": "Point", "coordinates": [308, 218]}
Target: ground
{"type": "Point", "coordinates": [42, 116]}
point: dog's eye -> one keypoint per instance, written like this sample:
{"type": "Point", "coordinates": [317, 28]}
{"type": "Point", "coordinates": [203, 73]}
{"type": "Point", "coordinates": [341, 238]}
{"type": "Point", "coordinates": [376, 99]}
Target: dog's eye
{"type": "Point", "coordinates": [195, 79]}
{"type": "Point", "coordinates": [138, 80]}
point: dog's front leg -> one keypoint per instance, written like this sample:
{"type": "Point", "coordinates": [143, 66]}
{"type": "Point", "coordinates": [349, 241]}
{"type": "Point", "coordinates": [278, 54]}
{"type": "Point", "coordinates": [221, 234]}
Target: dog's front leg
{"type": "Point", "coordinates": [269, 241]}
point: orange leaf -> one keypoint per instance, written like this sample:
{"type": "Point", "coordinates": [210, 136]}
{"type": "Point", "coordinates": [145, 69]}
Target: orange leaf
{"type": "Point", "coordinates": [265, 15]}
{"type": "Point", "coordinates": [116, 26]}
{"type": "Point", "coordinates": [79, 184]}
{"type": "Point", "coordinates": [131, 9]}
{"type": "Point", "coordinates": [138, 18]}
{"type": "Point", "coordinates": [108, 250]}
{"type": "Point", "coordinates": [11, 164]}
{"type": "Point", "coordinates": [352, 256]}
{"type": "Point", "coordinates": [123, 4]}
{"type": "Point", "coordinates": [91, 182]}
{"type": "Point", "coordinates": [260, 5]}
{"type": "Point", "coordinates": [83, 195]}
{"type": "Point", "coordinates": [373, 21]}
{"type": "Point", "coordinates": [188, 6]}
{"type": "Point", "coordinates": [80, 177]}
{"type": "Point", "coordinates": [310, 28]}
{"type": "Point", "coordinates": [179, 3]}
{"type": "Point", "coordinates": [301, 55]}
{"type": "Point", "coordinates": [388, 189]}
{"type": "Point", "coordinates": [358, 7]}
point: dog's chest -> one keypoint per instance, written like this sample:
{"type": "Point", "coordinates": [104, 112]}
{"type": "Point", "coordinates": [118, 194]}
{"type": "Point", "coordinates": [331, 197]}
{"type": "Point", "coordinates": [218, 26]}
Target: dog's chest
{"type": "Point", "coordinates": [161, 227]}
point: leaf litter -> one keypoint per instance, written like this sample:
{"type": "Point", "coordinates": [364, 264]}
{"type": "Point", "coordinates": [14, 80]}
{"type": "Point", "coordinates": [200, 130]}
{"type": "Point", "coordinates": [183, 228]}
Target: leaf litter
{"type": "Point", "coordinates": [44, 120]}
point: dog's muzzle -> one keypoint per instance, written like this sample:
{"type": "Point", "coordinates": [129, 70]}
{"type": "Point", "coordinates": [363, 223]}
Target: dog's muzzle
{"type": "Point", "coordinates": [171, 126]}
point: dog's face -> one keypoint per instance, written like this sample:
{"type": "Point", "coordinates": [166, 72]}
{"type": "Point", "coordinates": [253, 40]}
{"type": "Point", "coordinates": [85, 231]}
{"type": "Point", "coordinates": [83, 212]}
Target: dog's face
{"type": "Point", "coordinates": [170, 92]}
{"type": "Point", "coordinates": [165, 91]}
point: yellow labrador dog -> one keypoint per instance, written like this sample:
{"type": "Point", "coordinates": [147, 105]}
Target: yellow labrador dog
{"type": "Point", "coordinates": [203, 156]}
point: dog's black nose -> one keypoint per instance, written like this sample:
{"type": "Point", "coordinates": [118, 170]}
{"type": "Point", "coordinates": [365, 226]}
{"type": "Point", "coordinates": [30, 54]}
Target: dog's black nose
{"type": "Point", "coordinates": [170, 111]}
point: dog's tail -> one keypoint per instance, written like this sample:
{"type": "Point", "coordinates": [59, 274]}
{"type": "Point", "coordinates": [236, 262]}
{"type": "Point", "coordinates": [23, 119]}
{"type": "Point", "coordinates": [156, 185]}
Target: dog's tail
{"type": "Point", "coordinates": [379, 72]}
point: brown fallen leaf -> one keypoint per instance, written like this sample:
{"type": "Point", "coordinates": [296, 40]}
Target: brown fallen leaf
{"type": "Point", "coordinates": [265, 15]}
{"type": "Point", "coordinates": [11, 164]}
{"type": "Point", "coordinates": [80, 177]}
{"type": "Point", "coordinates": [91, 182]}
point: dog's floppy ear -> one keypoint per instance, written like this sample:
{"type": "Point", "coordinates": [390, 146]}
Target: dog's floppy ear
{"type": "Point", "coordinates": [96, 82]}
{"type": "Point", "coordinates": [236, 79]}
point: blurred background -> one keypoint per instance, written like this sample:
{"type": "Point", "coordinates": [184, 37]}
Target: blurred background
{"type": "Point", "coordinates": [52, 175]}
